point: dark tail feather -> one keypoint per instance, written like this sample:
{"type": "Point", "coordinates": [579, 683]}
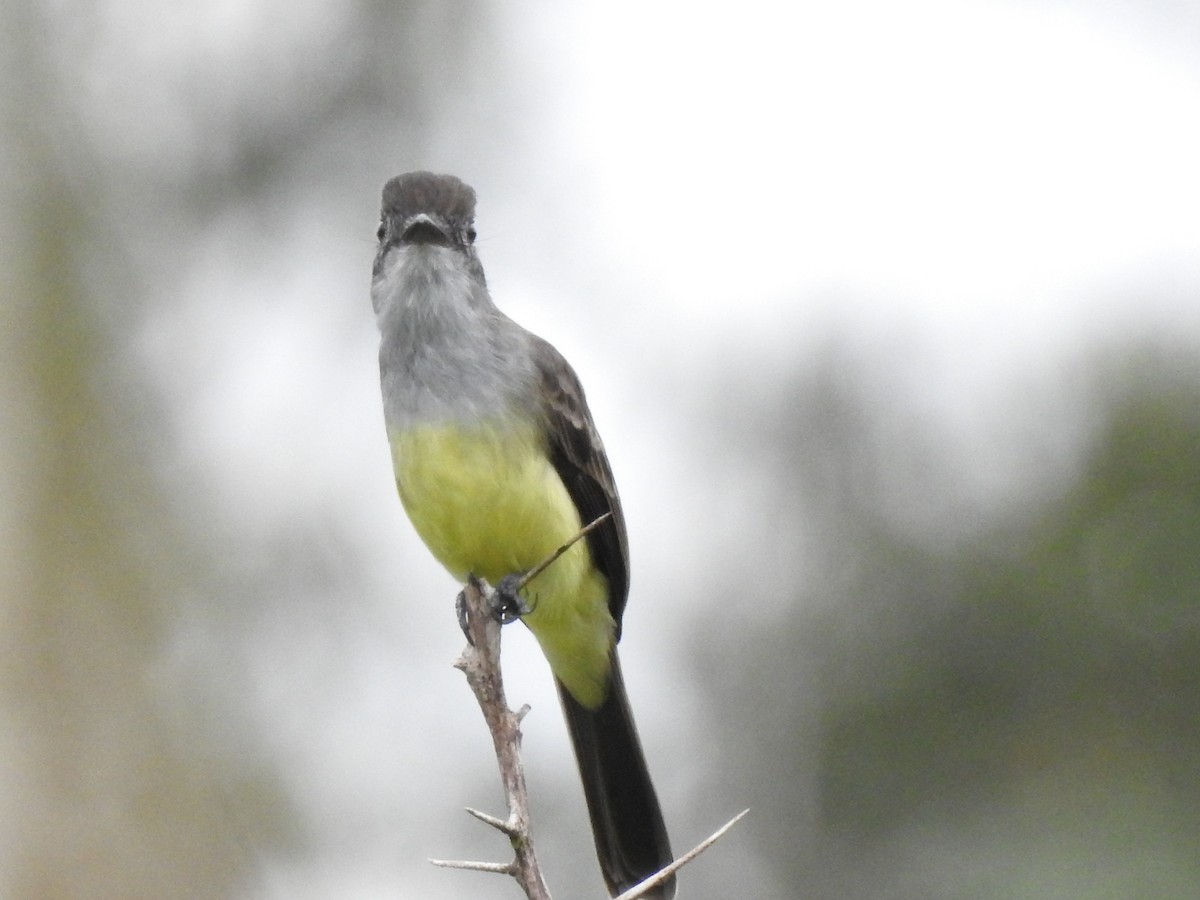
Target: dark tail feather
{"type": "Point", "coordinates": [627, 824]}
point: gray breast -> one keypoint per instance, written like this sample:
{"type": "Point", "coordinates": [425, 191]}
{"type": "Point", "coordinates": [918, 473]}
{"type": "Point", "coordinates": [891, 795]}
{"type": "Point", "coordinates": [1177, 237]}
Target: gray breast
{"type": "Point", "coordinates": [446, 352]}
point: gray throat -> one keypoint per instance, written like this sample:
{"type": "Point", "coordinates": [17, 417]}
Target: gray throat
{"type": "Point", "coordinates": [447, 353]}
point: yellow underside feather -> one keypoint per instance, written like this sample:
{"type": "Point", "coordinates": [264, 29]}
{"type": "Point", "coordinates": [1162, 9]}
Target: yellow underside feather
{"type": "Point", "coordinates": [487, 501]}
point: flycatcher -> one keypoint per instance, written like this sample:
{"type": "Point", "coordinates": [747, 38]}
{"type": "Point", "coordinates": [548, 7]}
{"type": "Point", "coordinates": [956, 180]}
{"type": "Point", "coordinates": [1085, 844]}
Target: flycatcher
{"type": "Point", "coordinates": [498, 464]}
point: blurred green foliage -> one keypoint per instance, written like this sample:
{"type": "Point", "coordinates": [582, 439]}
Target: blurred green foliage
{"type": "Point", "coordinates": [1013, 715]}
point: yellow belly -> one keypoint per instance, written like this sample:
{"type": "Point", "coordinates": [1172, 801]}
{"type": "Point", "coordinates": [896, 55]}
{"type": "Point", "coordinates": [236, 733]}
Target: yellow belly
{"type": "Point", "coordinates": [487, 501]}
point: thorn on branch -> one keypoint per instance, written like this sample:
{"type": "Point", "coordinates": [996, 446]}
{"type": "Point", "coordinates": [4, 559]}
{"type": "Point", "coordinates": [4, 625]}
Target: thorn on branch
{"type": "Point", "coordinates": [499, 824]}
{"type": "Point", "coordinates": [549, 560]}
{"type": "Point", "coordinates": [642, 888]}
{"type": "Point", "coordinates": [473, 866]}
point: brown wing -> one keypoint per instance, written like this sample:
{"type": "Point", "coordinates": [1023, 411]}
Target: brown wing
{"type": "Point", "coordinates": [579, 458]}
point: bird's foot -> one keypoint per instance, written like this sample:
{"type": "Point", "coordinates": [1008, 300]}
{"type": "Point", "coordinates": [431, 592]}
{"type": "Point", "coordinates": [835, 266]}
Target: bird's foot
{"type": "Point", "coordinates": [507, 604]}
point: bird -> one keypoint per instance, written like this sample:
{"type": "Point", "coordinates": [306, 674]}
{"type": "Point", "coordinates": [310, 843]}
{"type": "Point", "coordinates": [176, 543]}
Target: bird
{"type": "Point", "coordinates": [498, 463]}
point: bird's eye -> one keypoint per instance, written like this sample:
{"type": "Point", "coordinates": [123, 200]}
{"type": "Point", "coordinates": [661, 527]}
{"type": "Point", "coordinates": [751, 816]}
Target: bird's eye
{"type": "Point", "coordinates": [380, 231]}
{"type": "Point", "coordinates": [470, 233]}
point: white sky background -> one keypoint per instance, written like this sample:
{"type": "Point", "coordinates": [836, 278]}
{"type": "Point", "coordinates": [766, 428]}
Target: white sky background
{"type": "Point", "coordinates": [691, 195]}
{"type": "Point", "coordinates": [966, 161]}
{"type": "Point", "coordinates": [972, 192]}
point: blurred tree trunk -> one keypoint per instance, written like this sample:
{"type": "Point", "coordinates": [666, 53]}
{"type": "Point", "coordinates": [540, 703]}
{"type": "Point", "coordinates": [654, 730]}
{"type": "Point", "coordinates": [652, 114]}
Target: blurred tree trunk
{"type": "Point", "coordinates": [106, 805]}
{"type": "Point", "coordinates": [101, 797]}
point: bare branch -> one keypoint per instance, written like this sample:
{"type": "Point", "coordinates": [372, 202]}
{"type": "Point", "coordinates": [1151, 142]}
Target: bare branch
{"type": "Point", "coordinates": [480, 662]}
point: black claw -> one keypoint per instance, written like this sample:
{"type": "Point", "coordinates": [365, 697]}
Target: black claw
{"type": "Point", "coordinates": [460, 609]}
{"type": "Point", "coordinates": [507, 604]}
